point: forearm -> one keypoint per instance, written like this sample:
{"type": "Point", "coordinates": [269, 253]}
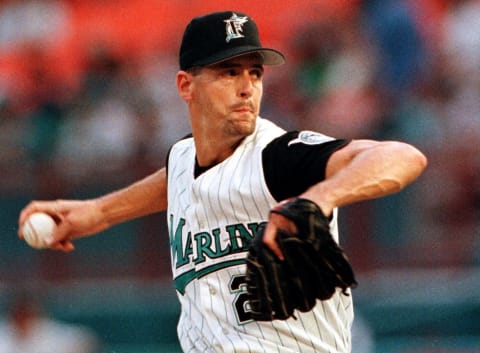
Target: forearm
{"type": "Point", "coordinates": [80, 218]}
{"type": "Point", "coordinates": [144, 197]}
{"type": "Point", "coordinates": [372, 171]}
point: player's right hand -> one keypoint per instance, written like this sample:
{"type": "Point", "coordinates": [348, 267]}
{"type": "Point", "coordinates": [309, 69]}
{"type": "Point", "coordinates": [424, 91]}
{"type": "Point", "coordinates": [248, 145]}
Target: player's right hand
{"type": "Point", "coordinates": [74, 219]}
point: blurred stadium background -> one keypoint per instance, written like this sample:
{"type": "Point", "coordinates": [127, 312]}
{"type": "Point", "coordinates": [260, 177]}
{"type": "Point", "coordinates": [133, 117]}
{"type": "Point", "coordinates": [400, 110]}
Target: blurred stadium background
{"type": "Point", "coordinates": [88, 104]}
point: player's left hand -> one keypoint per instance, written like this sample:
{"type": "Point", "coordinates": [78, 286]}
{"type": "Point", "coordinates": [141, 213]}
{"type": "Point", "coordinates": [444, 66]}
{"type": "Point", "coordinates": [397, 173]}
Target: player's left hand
{"type": "Point", "coordinates": [277, 221]}
{"type": "Point", "coordinates": [311, 266]}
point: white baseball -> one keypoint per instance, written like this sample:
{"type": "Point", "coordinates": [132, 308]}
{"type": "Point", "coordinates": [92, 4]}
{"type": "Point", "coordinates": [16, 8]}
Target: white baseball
{"type": "Point", "coordinates": [36, 228]}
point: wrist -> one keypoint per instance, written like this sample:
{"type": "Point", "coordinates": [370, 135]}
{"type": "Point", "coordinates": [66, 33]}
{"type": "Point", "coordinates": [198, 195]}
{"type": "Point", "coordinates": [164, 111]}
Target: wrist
{"type": "Point", "coordinates": [321, 197]}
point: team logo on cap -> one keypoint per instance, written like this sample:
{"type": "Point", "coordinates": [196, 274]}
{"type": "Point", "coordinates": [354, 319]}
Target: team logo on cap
{"type": "Point", "coordinates": [234, 27]}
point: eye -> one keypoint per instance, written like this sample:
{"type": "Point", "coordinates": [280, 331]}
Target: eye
{"type": "Point", "coordinates": [257, 73]}
{"type": "Point", "coordinates": [229, 72]}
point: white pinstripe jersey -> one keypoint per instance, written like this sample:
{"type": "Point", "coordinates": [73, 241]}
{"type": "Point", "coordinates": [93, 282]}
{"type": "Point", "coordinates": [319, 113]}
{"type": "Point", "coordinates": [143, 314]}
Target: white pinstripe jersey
{"type": "Point", "coordinates": [210, 219]}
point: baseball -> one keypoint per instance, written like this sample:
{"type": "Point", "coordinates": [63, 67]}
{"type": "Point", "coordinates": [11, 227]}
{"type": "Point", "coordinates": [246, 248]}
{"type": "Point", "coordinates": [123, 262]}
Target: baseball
{"type": "Point", "coordinates": [36, 228]}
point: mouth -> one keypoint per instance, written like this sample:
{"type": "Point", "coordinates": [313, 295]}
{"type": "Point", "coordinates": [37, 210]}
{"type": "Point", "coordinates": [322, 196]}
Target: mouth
{"type": "Point", "coordinates": [244, 108]}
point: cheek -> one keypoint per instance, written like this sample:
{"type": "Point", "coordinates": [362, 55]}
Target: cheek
{"type": "Point", "coordinates": [210, 101]}
{"type": "Point", "coordinates": [258, 97]}
{"type": "Point", "coordinates": [260, 93]}
{"type": "Point", "coordinates": [217, 96]}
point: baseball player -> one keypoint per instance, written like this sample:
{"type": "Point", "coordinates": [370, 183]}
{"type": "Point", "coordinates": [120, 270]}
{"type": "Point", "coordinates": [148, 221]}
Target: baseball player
{"type": "Point", "coordinates": [219, 185]}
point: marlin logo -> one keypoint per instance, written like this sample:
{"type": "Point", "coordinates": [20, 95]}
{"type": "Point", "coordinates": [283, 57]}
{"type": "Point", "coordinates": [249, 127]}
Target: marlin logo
{"type": "Point", "coordinates": [234, 27]}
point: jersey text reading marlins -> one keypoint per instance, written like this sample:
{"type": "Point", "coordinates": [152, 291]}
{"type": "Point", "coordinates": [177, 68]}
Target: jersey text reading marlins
{"type": "Point", "coordinates": [208, 245]}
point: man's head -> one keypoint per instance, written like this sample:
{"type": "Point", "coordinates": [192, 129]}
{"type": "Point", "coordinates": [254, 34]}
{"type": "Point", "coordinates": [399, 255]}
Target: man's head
{"type": "Point", "coordinates": [220, 36]}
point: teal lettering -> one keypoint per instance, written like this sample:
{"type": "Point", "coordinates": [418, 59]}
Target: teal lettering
{"type": "Point", "coordinates": [208, 246]}
{"type": "Point", "coordinates": [176, 243]}
{"type": "Point", "coordinates": [203, 241]}
{"type": "Point", "coordinates": [239, 231]}
{"type": "Point", "coordinates": [188, 247]}
{"type": "Point", "coordinates": [254, 228]}
{"type": "Point", "coordinates": [216, 234]}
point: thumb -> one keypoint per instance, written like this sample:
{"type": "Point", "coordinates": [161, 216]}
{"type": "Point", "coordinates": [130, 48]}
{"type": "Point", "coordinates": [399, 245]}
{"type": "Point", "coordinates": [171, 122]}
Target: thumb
{"type": "Point", "coordinates": [270, 240]}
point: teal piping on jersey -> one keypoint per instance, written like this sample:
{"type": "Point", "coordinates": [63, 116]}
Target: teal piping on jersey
{"type": "Point", "coordinates": [185, 278]}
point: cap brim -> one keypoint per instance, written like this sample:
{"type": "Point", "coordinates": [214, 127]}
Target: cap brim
{"type": "Point", "coordinates": [271, 57]}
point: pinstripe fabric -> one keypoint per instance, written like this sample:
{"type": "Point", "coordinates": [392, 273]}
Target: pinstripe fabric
{"type": "Point", "coordinates": [211, 219]}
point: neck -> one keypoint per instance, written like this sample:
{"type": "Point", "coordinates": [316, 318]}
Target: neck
{"type": "Point", "coordinates": [211, 152]}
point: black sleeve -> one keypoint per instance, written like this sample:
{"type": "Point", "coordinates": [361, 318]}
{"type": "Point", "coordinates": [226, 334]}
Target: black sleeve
{"type": "Point", "coordinates": [291, 166]}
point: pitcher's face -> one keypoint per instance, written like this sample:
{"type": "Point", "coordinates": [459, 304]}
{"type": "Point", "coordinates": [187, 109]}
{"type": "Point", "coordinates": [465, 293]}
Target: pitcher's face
{"type": "Point", "coordinates": [226, 96]}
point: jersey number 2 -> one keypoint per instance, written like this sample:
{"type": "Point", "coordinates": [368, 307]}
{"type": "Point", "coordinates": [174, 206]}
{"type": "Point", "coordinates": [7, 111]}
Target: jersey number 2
{"type": "Point", "coordinates": [240, 303]}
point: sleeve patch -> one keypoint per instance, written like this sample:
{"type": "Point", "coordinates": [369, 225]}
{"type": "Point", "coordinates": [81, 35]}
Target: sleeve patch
{"type": "Point", "coordinates": [310, 138]}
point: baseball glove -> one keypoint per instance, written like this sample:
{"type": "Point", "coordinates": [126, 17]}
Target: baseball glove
{"type": "Point", "coordinates": [313, 267]}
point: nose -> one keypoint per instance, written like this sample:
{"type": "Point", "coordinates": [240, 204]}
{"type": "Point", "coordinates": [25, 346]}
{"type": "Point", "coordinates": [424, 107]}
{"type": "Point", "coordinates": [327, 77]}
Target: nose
{"type": "Point", "coordinates": [246, 85]}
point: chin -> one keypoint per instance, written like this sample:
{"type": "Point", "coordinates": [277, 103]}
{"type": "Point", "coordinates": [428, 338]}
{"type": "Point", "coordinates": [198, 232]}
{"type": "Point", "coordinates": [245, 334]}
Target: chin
{"type": "Point", "coordinates": [247, 125]}
{"type": "Point", "coordinates": [243, 127]}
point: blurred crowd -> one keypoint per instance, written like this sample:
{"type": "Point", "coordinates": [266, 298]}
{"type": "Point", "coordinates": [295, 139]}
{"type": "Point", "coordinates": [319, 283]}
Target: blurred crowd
{"type": "Point", "coordinates": [387, 69]}
{"type": "Point", "coordinates": [27, 327]}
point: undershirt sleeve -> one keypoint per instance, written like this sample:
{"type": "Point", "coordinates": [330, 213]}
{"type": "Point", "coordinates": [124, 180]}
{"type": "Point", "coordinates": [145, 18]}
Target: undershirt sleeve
{"type": "Point", "coordinates": [291, 168]}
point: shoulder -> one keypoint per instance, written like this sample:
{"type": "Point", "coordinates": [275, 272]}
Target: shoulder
{"type": "Point", "coordinates": [266, 131]}
{"type": "Point", "coordinates": [294, 142]}
{"type": "Point", "coordinates": [180, 146]}
{"type": "Point", "coordinates": [185, 140]}
{"type": "Point", "coordinates": [310, 138]}
{"type": "Point", "coordinates": [296, 160]}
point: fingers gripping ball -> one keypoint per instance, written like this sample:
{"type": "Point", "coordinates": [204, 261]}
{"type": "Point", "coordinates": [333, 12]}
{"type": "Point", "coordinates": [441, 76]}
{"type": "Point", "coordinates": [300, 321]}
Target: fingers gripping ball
{"type": "Point", "coordinates": [37, 228]}
{"type": "Point", "coordinates": [314, 266]}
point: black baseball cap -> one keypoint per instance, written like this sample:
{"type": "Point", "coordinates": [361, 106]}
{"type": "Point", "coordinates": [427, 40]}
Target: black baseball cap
{"type": "Point", "coordinates": [219, 36]}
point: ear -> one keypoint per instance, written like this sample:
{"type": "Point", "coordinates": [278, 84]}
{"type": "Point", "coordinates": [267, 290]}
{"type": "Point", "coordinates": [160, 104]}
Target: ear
{"type": "Point", "coordinates": [184, 85]}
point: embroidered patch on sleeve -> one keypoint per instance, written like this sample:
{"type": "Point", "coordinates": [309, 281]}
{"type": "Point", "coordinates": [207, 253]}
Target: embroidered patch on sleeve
{"type": "Point", "coordinates": [310, 138]}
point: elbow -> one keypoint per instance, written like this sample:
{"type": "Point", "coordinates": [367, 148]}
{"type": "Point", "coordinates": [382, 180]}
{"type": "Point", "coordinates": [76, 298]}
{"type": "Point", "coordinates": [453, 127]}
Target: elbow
{"type": "Point", "coordinates": [423, 162]}
{"type": "Point", "coordinates": [419, 160]}
{"type": "Point", "coordinates": [409, 164]}
{"type": "Point", "coordinates": [414, 160]}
